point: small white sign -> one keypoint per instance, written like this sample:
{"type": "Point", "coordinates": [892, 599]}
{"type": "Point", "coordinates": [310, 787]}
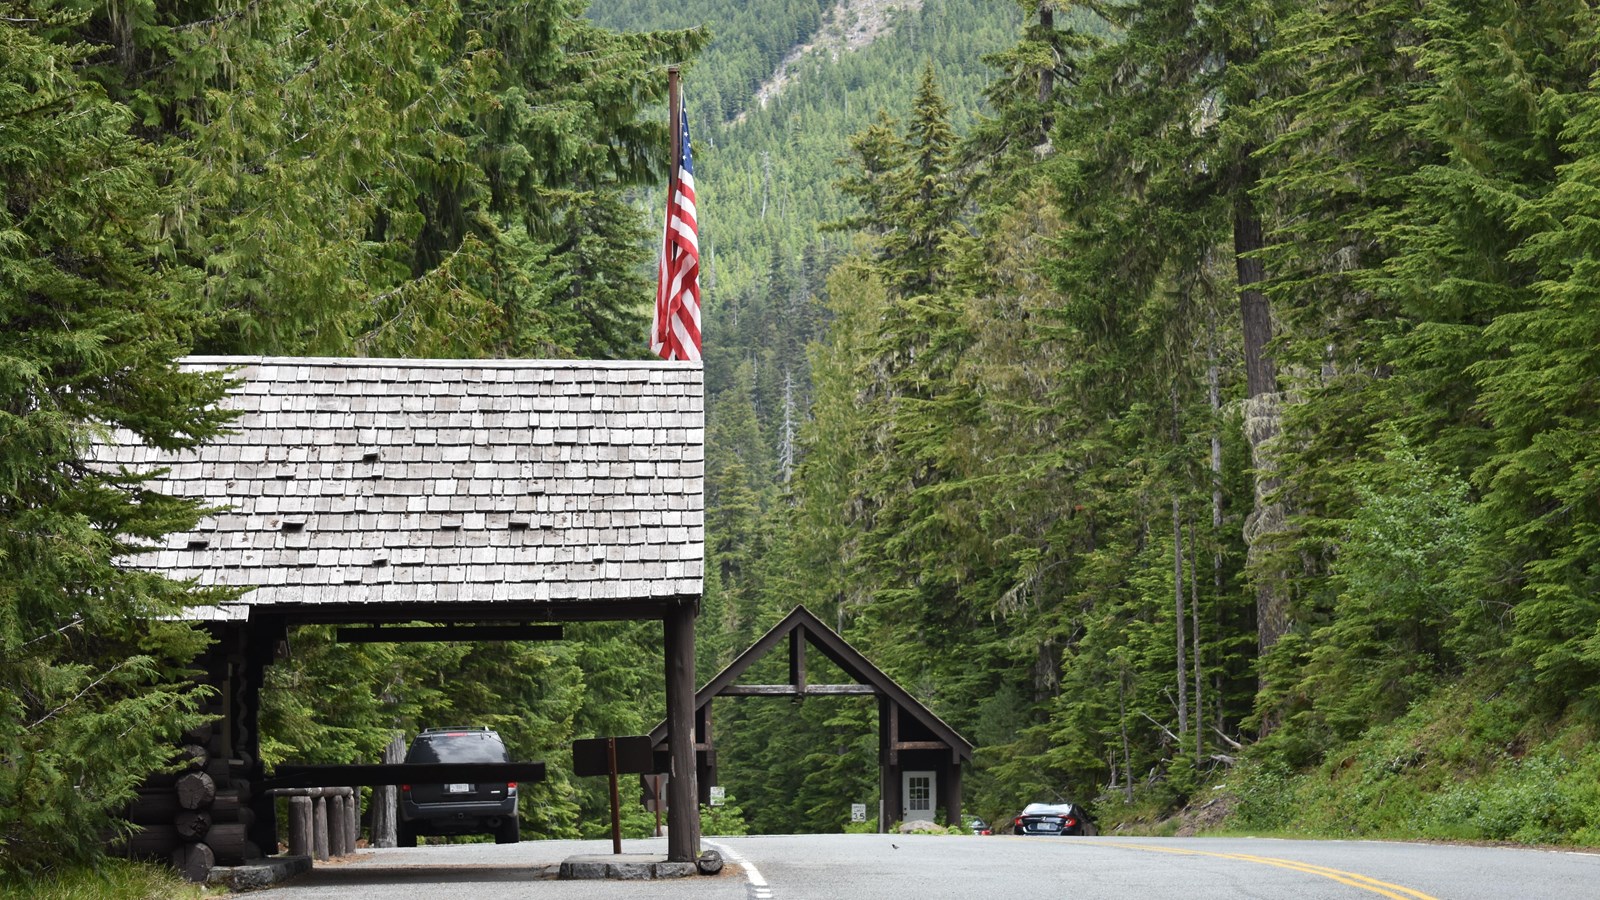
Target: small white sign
{"type": "Point", "coordinates": [718, 794]}
{"type": "Point", "coordinates": [858, 812]}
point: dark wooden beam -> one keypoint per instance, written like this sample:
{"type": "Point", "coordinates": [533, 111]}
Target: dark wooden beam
{"type": "Point", "coordinates": [298, 776]}
{"type": "Point", "coordinates": [468, 611]}
{"type": "Point", "coordinates": [789, 690]}
{"type": "Point", "coordinates": [403, 634]}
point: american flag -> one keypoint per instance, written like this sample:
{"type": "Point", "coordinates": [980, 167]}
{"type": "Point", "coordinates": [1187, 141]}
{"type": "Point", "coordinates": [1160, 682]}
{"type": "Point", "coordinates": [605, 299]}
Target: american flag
{"type": "Point", "coordinates": [675, 331]}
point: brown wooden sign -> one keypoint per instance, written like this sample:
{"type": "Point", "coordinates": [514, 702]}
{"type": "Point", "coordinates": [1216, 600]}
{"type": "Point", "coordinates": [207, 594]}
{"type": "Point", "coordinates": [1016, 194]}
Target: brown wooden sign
{"type": "Point", "coordinates": [612, 756]}
{"type": "Point", "coordinates": [591, 756]}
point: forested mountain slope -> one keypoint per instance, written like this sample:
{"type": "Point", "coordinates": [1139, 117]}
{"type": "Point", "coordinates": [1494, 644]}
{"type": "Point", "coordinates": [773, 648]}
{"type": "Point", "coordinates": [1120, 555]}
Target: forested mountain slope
{"type": "Point", "coordinates": [1170, 395]}
{"type": "Point", "coordinates": [1197, 392]}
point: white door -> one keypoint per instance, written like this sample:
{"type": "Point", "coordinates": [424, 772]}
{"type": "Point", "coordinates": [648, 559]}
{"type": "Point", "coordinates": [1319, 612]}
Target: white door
{"type": "Point", "coordinates": [917, 792]}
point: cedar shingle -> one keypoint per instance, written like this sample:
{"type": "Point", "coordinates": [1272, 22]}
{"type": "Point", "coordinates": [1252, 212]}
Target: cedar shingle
{"type": "Point", "coordinates": [574, 481]}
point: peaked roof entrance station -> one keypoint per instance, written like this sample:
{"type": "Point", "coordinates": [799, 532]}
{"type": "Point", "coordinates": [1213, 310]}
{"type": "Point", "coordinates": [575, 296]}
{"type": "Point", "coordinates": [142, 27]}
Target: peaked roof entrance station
{"type": "Point", "coordinates": [481, 497]}
{"type": "Point", "coordinates": [910, 736]}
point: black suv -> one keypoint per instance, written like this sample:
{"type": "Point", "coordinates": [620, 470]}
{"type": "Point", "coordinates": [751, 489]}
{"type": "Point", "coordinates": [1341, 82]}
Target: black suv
{"type": "Point", "coordinates": [458, 808]}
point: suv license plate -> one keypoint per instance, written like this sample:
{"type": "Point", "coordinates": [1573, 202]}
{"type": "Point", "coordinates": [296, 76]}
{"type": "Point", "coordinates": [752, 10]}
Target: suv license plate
{"type": "Point", "coordinates": [458, 789]}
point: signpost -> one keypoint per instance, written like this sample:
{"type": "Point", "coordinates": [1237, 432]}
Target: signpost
{"type": "Point", "coordinates": [655, 798]}
{"type": "Point", "coordinates": [610, 756]}
{"type": "Point", "coordinates": [858, 812]}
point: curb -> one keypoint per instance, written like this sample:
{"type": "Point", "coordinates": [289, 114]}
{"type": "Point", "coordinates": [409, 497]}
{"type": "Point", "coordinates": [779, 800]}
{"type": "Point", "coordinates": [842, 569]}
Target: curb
{"type": "Point", "coordinates": [624, 868]}
{"type": "Point", "coordinates": [259, 873]}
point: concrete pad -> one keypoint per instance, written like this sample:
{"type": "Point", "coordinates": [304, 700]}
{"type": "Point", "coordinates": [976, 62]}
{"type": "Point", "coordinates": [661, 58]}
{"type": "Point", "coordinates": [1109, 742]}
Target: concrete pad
{"type": "Point", "coordinates": [259, 873]}
{"type": "Point", "coordinates": [624, 867]}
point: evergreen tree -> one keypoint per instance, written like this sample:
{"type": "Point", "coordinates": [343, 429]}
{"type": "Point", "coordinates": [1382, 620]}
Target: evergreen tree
{"type": "Point", "coordinates": [465, 201]}
{"type": "Point", "coordinates": [93, 692]}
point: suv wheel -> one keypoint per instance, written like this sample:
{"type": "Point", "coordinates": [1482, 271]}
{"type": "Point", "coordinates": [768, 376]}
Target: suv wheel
{"type": "Point", "coordinates": [404, 835]}
{"type": "Point", "coordinates": [509, 832]}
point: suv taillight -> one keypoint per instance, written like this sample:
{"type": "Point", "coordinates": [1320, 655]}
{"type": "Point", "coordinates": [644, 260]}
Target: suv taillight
{"type": "Point", "coordinates": [1017, 821]}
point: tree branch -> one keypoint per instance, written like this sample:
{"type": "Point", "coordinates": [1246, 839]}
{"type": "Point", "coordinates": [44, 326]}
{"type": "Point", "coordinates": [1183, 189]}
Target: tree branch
{"type": "Point", "coordinates": [1170, 736]}
{"type": "Point", "coordinates": [1228, 740]}
{"type": "Point", "coordinates": [79, 695]}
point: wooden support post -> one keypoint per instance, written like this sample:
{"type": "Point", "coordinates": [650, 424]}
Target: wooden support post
{"type": "Point", "coordinates": [888, 776]}
{"type": "Point", "coordinates": [655, 792]}
{"type": "Point", "coordinates": [260, 650]}
{"type": "Point", "coordinates": [894, 797]}
{"type": "Point", "coordinates": [894, 735]}
{"type": "Point", "coordinates": [705, 753]}
{"type": "Point", "coordinates": [950, 787]}
{"type": "Point", "coordinates": [797, 660]}
{"type": "Point", "coordinates": [386, 798]}
{"type": "Point", "coordinates": [683, 808]}
{"type": "Point", "coordinates": [616, 802]}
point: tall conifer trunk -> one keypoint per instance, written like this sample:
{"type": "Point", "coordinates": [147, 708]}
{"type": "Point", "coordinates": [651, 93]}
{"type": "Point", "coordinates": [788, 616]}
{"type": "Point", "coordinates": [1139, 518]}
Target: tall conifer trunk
{"type": "Point", "coordinates": [1177, 583]}
{"type": "Point", "coordinates": [1261, 415]}
{"type": "Point", "coordinates": [1178, 616]}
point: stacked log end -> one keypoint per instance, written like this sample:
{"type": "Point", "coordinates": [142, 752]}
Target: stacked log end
{"type": "Point", "coordinates": [200, 816]}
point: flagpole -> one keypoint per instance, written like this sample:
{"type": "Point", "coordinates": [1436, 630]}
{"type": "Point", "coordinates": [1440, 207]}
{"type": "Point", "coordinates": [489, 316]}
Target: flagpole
{"type": "Point", "coordinates": [675, 126]}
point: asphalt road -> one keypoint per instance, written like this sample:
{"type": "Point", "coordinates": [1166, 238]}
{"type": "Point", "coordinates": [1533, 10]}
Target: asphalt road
{"type": "Point", "coordinates": [847, 867]}
{"type": "Point", "coordinates": [872, 867]}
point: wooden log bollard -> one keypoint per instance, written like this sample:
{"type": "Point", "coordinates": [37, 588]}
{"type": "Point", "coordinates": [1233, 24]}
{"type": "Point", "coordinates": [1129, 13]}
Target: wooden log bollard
{"type": "Point", "coordinates": [352, 818]}
{"type": "Point", "coordinates": [319, 825]}
{"type": "Point", "coordinates": [323, 821]}
{"type": "Point", "coordinates": [301, 826]}
{"type": "Point", "coordinates": [336, 829]}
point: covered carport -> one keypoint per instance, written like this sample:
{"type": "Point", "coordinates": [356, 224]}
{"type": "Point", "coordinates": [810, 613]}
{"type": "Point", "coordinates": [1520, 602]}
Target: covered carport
{"type": "Point", "coordinates": [483, 497]}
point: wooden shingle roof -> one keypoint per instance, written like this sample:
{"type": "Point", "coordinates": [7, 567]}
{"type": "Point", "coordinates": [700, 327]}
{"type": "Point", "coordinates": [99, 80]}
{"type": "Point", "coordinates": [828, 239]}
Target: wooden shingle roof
{"type": "Point", "coordinates": [427, 482]}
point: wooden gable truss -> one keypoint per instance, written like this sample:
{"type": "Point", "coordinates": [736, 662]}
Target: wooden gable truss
{"type": "Point", "coordinates": [910, 736]}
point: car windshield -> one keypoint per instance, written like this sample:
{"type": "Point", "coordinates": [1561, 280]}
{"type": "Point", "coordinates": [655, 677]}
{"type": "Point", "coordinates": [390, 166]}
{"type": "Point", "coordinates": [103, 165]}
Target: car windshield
{"type": "Point", "coordinates": [457, 747]}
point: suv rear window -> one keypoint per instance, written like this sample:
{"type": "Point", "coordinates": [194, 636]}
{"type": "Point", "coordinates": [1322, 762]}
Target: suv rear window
{"type": "Point", "coordinates": [458, 747]}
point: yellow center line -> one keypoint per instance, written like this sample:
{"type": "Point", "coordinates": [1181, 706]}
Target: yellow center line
{"type": "Point", "coordinates": [1354, 879]}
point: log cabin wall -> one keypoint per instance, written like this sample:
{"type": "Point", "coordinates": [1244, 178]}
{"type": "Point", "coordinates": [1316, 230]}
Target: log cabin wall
{"type": "Point", "coordinates": [207, 813]}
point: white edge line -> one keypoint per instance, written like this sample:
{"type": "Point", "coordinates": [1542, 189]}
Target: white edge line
{"type": "Point", "coordinates": [750, 871]}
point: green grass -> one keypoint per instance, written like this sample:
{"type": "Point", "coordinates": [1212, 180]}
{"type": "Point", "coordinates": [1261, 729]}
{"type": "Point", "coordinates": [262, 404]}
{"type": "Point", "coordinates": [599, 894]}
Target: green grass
{"type": "Point", "coordinates": [1468, 763]}
{"type": "Point", "coordinates": [110, 880]}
